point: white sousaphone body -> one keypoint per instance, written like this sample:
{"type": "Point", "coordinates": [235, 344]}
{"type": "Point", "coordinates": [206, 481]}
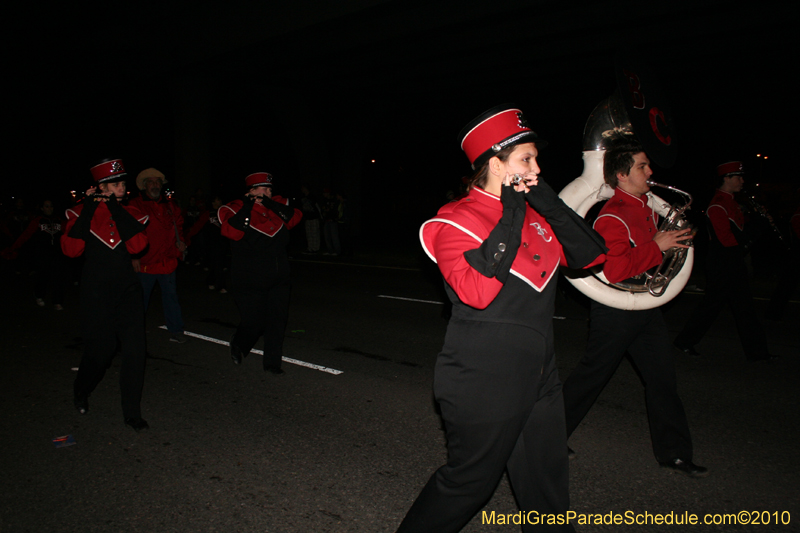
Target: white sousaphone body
{"type": "Point", "coordinates": [634, 109]}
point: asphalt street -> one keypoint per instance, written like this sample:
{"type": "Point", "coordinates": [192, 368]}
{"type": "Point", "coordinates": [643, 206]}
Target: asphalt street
{"type": "Point", "coordinates": [232, 449]}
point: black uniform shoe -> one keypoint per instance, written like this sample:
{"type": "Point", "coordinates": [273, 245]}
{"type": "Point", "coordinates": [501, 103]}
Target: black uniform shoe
{"type": "Point", "coordinates": [81, 404]}
{"type": "Point", "coordinates": [236, 352]}
{"type": "Point", "coordinates": [688, 350]}
{"type": "Point", "coordinates": [275, 370]}
{"type": "Point", "coordinates": [685, 467]}
{"type": "Point", "coordinates": [570, 452]}
{"type": "Point", "coordinates": [138, 424]}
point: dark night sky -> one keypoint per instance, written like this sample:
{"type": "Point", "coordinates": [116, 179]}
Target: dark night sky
{"type": "Point", "coordinates": [314, 90]}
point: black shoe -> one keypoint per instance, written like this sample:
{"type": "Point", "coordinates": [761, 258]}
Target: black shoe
{"type": "Point", "coordinates": [275, 370]}
{"type": "Point", "coordinates": [685, 467]}
{"type": "Point", "coordinates": [570, 452]}
{"type": "Point", "coordinates": [138, 424]}
{"type": "Point", "coordinates": [688, 350]}
{"type": "Point", "coordinates": [236, 352]}
{"type": "Point", "coordinates": [81, 404]}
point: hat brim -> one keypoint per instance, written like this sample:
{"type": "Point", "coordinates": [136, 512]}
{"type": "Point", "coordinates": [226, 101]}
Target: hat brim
{"type": "Point", "coordinates": [114, 179]}
{"type": "Point", "coordinates": [522, 138]}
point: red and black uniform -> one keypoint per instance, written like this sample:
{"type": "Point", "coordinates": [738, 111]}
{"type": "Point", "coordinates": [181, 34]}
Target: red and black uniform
{"type": "Point", "coordinates": [628, 225]}
{"type": "Point", "coordinates": [42, 240]}
{"type": "Point", "coordinates": [107, 234]}
{"type": "Point", "coordinates": [496, 379]}
{"type": "Point", "coordinates": [260, 284]}
{"type": "Point", "coordinates": [727, 281]}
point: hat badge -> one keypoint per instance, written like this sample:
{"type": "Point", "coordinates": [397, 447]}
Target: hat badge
{"type": "Point", "coordinates": [522, 121]}
{"type": "Point", "coordinates": [116, 167]}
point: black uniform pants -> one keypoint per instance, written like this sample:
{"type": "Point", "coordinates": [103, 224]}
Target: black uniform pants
{"type": "Point", "coordinates": [263, 311]}
{"type": "Point", "coordinates": [727, 284]}
{"type": "Point", "coordinates": [643, 334]}
{"type": "Point", "coordinates": [108, 315]}
{"type": "Point", "coordinates": [500, 399]}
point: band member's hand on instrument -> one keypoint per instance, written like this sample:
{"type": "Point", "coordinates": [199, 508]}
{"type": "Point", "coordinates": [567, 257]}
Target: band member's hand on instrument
{"type": "Point", "coordinates": [672, 239]}
{"type": "Point", "coordinates": [543, 198]}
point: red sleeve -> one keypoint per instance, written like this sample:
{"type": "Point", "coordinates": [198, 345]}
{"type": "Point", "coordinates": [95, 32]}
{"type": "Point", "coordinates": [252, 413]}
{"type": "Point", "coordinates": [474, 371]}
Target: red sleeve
{"type": "Point", "coordinates": [722, 225]}
{"type": "Point", "coordinates": [623, 260]}
{"type": "Point", "coordinates": [296, 217]}
{"type": "Point", "coordinates": [224, 213]}
{"type": "Point", "coordinates": [71, 247]}
{"type": "Point", "coordinates": [449, 245]}
{"type": "Point", "coordinates": [27, 234]}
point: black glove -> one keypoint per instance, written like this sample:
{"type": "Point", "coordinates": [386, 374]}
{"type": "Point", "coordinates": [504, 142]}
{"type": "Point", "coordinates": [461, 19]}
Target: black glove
{"type": "Point", "coordinates": [543, 198]}
{"type": "Point", "coordinates": [284, 211]}
{"type": "Point", "coordinates": [581, 243]}
{"type": "Point", "coordinates": [241, 220]}
{"type": "Point", "coordinates": [127, 225]}
{"type": "Point", "coordinates": [82, 227]}
{"type": "Point", "coordinates": [493, 258]}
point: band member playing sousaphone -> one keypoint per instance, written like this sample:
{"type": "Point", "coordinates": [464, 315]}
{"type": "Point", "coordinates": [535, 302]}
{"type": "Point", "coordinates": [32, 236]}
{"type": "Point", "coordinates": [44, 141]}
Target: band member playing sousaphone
{"type": "Point", "coordinates": [630, 229]}
{"type": "Point", "coordinates": [496, 381]}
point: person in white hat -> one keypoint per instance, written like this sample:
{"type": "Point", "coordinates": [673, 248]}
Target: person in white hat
{"type": "Point", "coordinates": [166, 246]}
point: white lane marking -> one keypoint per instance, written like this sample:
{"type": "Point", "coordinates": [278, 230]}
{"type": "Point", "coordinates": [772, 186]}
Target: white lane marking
{"type": "Point", "coordinates": [410, 299]}
{"type": "Point", "coordinates": [261, 352]}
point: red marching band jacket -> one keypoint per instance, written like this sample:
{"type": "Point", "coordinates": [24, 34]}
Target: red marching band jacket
{"type": "Point", "coordinates": [104, 229]}
{"type": "Point", "coordinates": [262, 220]}
{"type": "Point", "coordinates": [164, 229]}
{"type": "Point", "coordinates": [722, 212]}
{"type": "Point", "coordinates": [628, 226]}
{"type": "Point", "coordinates": [464, 224]}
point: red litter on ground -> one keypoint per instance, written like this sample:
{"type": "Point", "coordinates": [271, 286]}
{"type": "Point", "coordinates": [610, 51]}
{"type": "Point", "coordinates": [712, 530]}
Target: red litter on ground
{"type": "Point", "coordinates": [66, 440]}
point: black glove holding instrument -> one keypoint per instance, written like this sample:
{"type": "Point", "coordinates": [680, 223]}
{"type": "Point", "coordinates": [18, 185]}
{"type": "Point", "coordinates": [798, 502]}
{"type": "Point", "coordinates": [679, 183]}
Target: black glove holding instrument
{"type": "Point", "coordinates": [493, 258]}
{"type": "Point", "coordinates": [241, 220]}
{"type": "Point", "coordinates": [581, 244]}
{"type": "Point", "coordinates": [127, 225]}
{"type": "Point", "coordinates": [82, 227]}
{"type": "Point", "coordinates": [283, 211]}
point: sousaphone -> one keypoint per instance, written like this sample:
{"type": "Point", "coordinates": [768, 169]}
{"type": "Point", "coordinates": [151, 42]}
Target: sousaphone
{"type": "Point", "coordinates": [637, 108]}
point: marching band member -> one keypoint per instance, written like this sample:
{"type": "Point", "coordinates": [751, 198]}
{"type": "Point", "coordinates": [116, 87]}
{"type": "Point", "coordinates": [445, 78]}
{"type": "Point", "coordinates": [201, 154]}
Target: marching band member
{"type": "Point", "coordinates": [258, 227]}
{"type": "Point", "coordinates": [107, 234]}
{"type": "Point", "coordinates": [726, 272]}
{"type": "Point", "coordinates": [496, 381]}
{"type": "Point", "coordinates": [630, 229]}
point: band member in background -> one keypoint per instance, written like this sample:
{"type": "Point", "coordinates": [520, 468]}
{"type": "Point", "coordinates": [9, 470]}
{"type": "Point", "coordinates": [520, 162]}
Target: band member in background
{"type": "Point", "coordinates": [42, 240]}
{"type": "Point", "coordinates": [215, 245]}
{"type": "Point", "coordinates": [166, 245]}
{"type": "Point", "coordinates": [496, 381]}
{"type": "Point", "coordinates": [107, 234]}
{"type": "Point", "coordinates": [258, 226]}
{"type": "Point", "coordinates": [630, 228]}
{"type": "Point", "coordinates": [727, 280]}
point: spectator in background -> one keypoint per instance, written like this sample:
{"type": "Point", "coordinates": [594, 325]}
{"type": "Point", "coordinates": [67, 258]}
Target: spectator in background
{"type": "Point", "coordinates": [330, 223]}
{"type": "Point", "coordinates": [311, 217]}
{"type": "Point", "coordinates": [42, 240]}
